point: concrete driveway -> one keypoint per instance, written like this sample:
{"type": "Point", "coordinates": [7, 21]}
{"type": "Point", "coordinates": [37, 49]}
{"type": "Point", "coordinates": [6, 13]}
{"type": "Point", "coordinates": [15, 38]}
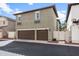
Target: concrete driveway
{"type": "Point", "coordinates": [39, 49]}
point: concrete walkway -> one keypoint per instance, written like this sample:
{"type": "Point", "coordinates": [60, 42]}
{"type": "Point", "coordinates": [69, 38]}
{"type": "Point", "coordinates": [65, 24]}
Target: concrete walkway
{"type": "Point", "coordinates": [5, 53]}
{"type": "Point", "coordinates": [47, 42]}
{"type": "Point", "coordinates": [6, 42]}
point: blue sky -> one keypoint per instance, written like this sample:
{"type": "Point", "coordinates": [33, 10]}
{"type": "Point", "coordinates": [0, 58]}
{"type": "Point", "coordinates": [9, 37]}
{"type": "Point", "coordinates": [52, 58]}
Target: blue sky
{"type": "Point", "coordinates": [10, 8]}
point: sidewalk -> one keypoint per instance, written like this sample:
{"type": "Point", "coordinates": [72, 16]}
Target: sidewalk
{"type": "Point", "coordinates": [47, 42]}
{"type": "Point", "coordinates": [5, 53]}
{"type": "Point", "coordinates": [5, 42]}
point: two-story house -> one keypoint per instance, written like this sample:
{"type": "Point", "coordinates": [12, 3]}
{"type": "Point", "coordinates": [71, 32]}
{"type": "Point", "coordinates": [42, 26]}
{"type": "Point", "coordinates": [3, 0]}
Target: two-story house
{"type": "Point", "coordinates": [72, 14]}
{"type": "Point", "coordinates": [6, 25]}
{"type": "Point", "coordinates": [72, 20]}
{"type": "Point", "coordinates": [37, 24]}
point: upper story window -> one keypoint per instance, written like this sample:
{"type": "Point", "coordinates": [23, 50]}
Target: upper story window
{"type": "Point", "coordinates": [3, 22]}
{"type": "Point", "coordinates": [74, 21]}
{"type": "Point", "coordinates": [37, 16]}
{"type": "Point", "coordinates": [19, 17]}
{"type": "Point", "coordinates": [19, 20]}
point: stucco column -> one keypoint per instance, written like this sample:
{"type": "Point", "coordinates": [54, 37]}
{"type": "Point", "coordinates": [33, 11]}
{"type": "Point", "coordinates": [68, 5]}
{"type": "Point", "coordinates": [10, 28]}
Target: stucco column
{"type": "Point", "coordinates": [16, 34]}
{"type": "Point", "coordinates": [50, 35]}
{"type": "Point", "coordinates": [35, 34]}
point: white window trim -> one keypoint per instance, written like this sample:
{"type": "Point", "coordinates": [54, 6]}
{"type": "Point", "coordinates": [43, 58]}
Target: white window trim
{"type": "Point", "coordinates": [19, 16]}
{"type": "Point", "coordinates": [36, 15]}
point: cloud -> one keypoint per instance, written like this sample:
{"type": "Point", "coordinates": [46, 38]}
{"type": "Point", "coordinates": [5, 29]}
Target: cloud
{"type": "Point", "coordinates": [63, 11]}
{"type": "Point", "coordinates": [17, 11]}
{"type": "Point", "coordinates": [5, 8]}
{"type": "Point", "coordinates": [62, 15]}
{"type": "Point", "coordinates": [30, 3]}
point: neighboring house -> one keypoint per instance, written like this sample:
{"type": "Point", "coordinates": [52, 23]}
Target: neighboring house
{"type": "Point", "coordinates": [72, 14]}
{"type": "Point", "coordinates": [6, 25]}
{"type": "Point", "coordinates": [72, 21]}
{"type": "Point", "coordinates": [37, 24]}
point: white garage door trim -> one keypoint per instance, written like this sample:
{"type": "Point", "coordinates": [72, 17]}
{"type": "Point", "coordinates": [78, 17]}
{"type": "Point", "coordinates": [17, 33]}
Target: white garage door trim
{"type": "Point", "coordinates": [34, 29]}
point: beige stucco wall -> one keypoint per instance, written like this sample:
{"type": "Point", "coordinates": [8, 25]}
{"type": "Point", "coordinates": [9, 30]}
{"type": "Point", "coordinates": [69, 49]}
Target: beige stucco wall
{"type": "Point", "coordinates": [11, 25]}
{"type": "Point", "coordinates": [8, 26]}
{"type": "Point", "coordinates": [2, 19]}
{"type": "Point", "coordinates": [47, 20]}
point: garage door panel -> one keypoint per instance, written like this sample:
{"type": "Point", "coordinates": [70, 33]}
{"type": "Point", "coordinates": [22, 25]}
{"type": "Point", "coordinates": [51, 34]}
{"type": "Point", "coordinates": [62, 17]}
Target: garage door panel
{"type": "Point", "coordinates": [29, 34]}
{"type": "Point", "coordinates": [42, 35]}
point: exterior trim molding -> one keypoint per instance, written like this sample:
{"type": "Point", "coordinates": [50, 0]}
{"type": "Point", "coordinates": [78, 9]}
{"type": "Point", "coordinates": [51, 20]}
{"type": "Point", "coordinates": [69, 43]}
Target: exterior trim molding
{"type": "Point", "coordinates": [34, 29]}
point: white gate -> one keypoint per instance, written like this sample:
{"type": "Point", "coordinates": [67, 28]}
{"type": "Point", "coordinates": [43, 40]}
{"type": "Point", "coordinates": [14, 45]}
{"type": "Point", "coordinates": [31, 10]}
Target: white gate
{"type": "Point", "coordinates": [62, 35]}
{"type": "Point", "coordinates": [75, 33]}
{"type": "Point", "coordinates": [11, 34]}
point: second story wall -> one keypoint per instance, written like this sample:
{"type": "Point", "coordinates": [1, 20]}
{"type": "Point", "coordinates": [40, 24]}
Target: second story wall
{"type": "Point", "coordinates": [73, 15]}
{"type": "Point", "coordinates": [47, 20]}
{"type": "Point", "coordinates": [11, 25]}
{"type": "Point", "coordinates": [3, 21]}
{"type": "Point", "coordinates": [7, 23]}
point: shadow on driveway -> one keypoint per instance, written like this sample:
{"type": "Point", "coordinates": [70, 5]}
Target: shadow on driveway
{"type": "Point", "coordinates": [38, 49]}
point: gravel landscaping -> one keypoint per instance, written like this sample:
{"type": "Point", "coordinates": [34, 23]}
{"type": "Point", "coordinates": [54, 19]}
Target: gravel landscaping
{"type": "Point", "coordinates": [38, 49]}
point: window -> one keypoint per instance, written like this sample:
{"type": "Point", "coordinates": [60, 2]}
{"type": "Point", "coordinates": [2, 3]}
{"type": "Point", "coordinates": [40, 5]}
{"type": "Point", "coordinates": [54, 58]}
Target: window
{"type": "Point", "coordinates": [19, 20]}
{"type": "Point", "coordinates": [37, 15]}
{"type": "Point", "coordinates": [3, 22]}
{"type": "Point", "coordinates": [19, 23]}
{"type": "Point", "coordinates": [74, 21]}
{"type": "Point", "coordinates": [19, 17]}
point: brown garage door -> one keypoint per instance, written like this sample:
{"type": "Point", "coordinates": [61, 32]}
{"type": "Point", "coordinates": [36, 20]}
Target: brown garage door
{"type": "Point", "coordinates": [42, 35]}
{"type": "Point", "coordinates": [27, 34]}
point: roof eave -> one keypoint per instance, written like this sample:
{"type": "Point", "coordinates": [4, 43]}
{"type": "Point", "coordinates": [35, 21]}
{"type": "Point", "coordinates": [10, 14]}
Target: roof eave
{"type": "Point", "coordinates": [53, 6]}
{"type": "Point", "coordinates": [69, 8]}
